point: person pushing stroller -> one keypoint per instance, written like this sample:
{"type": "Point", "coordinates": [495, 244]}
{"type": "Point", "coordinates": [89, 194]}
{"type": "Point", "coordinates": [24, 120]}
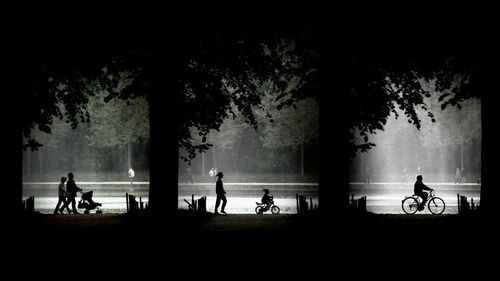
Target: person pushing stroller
{"type": "Point", "coordinates": [71, 189]}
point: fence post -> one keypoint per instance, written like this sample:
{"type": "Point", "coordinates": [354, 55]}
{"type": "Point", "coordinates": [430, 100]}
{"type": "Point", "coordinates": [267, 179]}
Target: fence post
{"type": "Point", "coordinates": [202, 205]}
{"type": "Point", "coordinates": [29, 204]}
{"type": "Point", "coordinates": [297, 198]}
{"type": "Point", "coordinates": [126, 200]}
{"type": "Point", "coordinates": [362, 204]}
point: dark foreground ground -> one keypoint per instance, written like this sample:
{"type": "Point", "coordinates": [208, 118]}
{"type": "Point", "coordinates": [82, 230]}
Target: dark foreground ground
{"type": "Point", "coordinates": [144, 244]}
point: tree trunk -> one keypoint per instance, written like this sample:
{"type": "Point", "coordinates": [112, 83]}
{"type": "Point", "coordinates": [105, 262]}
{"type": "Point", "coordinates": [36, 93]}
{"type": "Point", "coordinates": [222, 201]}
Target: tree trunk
{"type": "Point", "coordinates": [28, 161]}
{"type": "Point", "coordinates": [203, 163]}
{"type": "Point", "coordinates": [214, 159]}
{"type": "Point", "coordinates": [129, 155]}
{"type": "Point", "coordinates": [442, 163]}
{"type": "Point", "coordinates": [489, 143]}
{"type": "Point", "coordinates": [302, 159]}
{"type": "Point", "coordinates": [40, 161]}
{"type": "Point", "coordinates": [333, 197]}
{"type": "Point", "coordinates": [361, 164]}
{"type": "Point", "coordinates": [163, 188]}
{"type": "Point", "coordinates": [462, 154]}
{"type": "Point", "coordinates": [11, 207]}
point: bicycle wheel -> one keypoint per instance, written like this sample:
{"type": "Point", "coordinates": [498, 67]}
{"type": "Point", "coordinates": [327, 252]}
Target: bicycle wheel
{"type": "Point", "coordinates": [275, 209]}
{"type": "Point", "coordinates": [436, 205]}
{"type": "Point", "coordinates": [259, 210]}
{"type": "Point", "coordinates": [410, 205]}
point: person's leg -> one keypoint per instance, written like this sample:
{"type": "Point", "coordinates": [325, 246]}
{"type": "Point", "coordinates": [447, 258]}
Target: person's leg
{"type": "Point", "coordinates": [424, 199]}
{"type": "Point", "coordinates": [217, 203]}
{"type": "Point", "coordinates": [421, 202]}
{"type": "Point", "coordinates": [73, 204]}
{"type": "Point", "coordinates": [224, 201]}
{"type": "Point", "coordinates": [65, 205]}
{"type": "Point", "coordinates": [56, 210]}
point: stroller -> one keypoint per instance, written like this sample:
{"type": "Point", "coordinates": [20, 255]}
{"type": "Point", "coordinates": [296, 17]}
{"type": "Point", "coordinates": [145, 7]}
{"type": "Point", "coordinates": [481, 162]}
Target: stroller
{"type": "Point", "coordinates": [87, 203]}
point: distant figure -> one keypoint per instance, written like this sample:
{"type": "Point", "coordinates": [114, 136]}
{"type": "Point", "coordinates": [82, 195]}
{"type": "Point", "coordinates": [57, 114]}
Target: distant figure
{"type": "Point", "coordinates": [405, 176]}
{"type": "Point", "coordinates": [266, 199]}
{"type": "Point", "coordinates": [419, 188]}
{"type": "Point", "coordinates": [419, 171]}
{"type": "Point", "coordinates": [213, 174]}
{"type": "Point", "coordinates": [462, 176]}
{"type": "Point", "coordinates": [131, 175]}
{"type": "Point", "coordinates": [72, 189]}
{"type": "Point", "coordinates": [458, 176]}
{"type": "Point", "coordinates": [221, 194]}
{"type": "Point", "coordinates": [62, 197]}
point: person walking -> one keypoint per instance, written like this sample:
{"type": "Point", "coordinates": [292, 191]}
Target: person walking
{"type": "Point", "coordinates": [221, 195]}
{"type": "Point", "coordinates": [131, 175]}
{"type": "Point", "coordinates": [62, 198]}
{"type": "Point", "coordinates": [72, 189]}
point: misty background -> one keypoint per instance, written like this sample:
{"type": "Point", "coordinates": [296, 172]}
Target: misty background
{"type": "Point", "coordinates": [284, 147]}
{"type": "Point", "coordinates": [439, 148]}
{"type": "Point", "coordinates": [115, 138]}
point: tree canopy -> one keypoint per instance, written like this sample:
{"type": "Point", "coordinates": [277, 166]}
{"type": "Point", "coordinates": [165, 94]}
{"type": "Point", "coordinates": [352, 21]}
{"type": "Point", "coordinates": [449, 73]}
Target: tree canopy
{"type": "Point", "coordinates": [211, 69]}
{"type": "Point", "coordinates": [381, 84]}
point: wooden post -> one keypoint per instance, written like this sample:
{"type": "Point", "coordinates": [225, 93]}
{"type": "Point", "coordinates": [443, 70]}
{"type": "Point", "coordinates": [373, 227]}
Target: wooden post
{"type": "Point", "coordinates": [297, 198]}
{"type": "Point", "coordinates": [30, 204]}
{"type": "Point", "coordinates": [202, 205]}
{"type": "Point", "coordinates": [311, 203]}
{"type": "Point", "coordinates": [126, 199]}
{"type": "Point", "coordinates": [458, 202]}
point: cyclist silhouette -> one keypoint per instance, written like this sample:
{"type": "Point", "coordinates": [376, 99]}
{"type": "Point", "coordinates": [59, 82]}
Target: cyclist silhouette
{"type": "Point", "coordinates": [266, 199]}
{"type": "Point", "coordinates": [419, 188]}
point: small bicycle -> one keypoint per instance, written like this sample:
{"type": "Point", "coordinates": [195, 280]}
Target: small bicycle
{"type": "Point", "coordinates": [262, 208]}
{"type": "Point", "coordinates": [435, 204]}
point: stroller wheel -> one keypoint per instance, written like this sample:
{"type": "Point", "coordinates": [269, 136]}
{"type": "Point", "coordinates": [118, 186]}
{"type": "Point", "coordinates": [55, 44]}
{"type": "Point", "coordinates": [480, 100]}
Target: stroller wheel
{"type": "Point", "coordinates": [86, 211]}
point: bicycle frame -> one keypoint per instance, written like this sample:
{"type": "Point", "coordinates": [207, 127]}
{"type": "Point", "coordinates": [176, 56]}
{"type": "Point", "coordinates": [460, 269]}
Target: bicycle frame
{"type": "Point", "coordinates": [419, 199]}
